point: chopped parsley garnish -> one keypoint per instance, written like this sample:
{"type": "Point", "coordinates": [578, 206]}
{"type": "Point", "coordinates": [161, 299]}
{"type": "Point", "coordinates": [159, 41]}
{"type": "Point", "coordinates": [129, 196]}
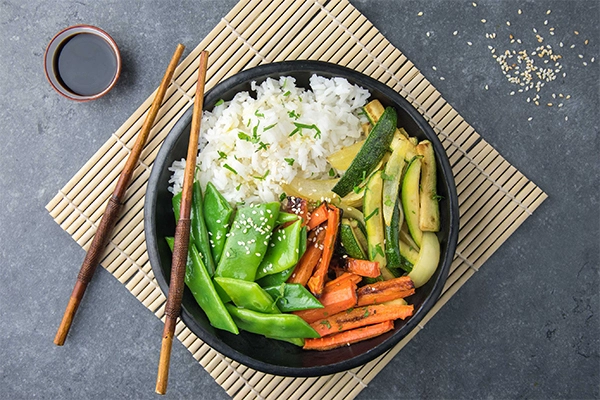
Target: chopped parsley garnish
{"type": "Point", "coordinates": [379, 250]}
{"type": "Point", "coordinates": [293, 114]}
{"type": "Point", "coordinates": [229, 168]}
{"type": "Point", "coordinates": [364, 176]}
{"type": "Point", "coordinates": [375, 212]}
{"type": "Point", "coordinates": [388, 202]}
{"type": "Point", "coordinates": [437, 197]}
{"type": "Point", "coordinates": [222, 155]}
{"type": "Point", "coordinates": [269, 127]}
{"type": "Point", "coordinates": [326, 323]}
{"type": "Point", "coordinates": [244, 136]}
{"type": "Point", "coordinates": [357, 189]}
{"type": "Point", "coordinates": [290, 161]}
{"type": "Point", "coordinates": [220, 102]}
{"type": "Point", "coordinates": [282, 196]}
{"type": "Point", "coordinates": [262, 146]}
{"type": "Point", "coordinates": [284, 83]}
{"type": "Point", "coordinates": [366, 314]}
{"type": "Point", "coordinates": [300, 126]}
{"type": "Point", "coordinates": [259, 114]}
{"type": "Point", "coordinates": [331, 172]}
{"type": "Point", "coordinates": [262, 178]}
{"type": "Point", "coordinates": [286, 94]}
{"type": "Point", "coordinates": [238, 187]}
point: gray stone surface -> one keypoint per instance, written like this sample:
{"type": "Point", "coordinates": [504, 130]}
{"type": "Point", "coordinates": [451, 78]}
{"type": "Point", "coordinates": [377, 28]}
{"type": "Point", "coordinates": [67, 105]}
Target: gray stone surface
{"type": "Point", "coordinates": [525, 326]}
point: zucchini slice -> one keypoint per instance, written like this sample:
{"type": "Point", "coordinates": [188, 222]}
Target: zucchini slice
{"type": "Point", "coordinates": [429, 258]}
{"type": "Point", "coordinates": [353, 240]}
{"type": "Point", "coordinates": [410, 199]}
{"type": "Point", "coordinates": [374, 223]}
{"type": "Point", "coordinates": [370, 154]}
{"type": "Point", "coordinates": [429, 218]}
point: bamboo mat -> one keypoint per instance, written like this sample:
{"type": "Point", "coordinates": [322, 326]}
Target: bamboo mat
{"type": "Point", "coordinates": [494, 197]}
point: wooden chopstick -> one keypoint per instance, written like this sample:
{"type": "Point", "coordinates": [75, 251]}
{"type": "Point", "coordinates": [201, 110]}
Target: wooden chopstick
{"type": "Point", "coordinates": [182, 235]}
{"type": "Point", "coordinates": [111, 214]}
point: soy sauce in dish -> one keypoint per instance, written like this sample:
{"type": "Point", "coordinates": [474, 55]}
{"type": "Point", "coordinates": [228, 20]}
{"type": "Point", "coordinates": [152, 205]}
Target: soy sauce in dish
{"type": "Point", "coordinates": [86, 64]}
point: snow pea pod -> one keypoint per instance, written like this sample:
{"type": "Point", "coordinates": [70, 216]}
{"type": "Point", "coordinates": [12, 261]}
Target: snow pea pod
{"type": "Point", "coordinates": [203, 290]}
{"type": "Point", "coordinates": [293, 297]}
{"type": "Point", "coordinates": [217, 214]}
{"type": "Point", "coordinates": [198, 232]}
{"type": "Point", "coordinates": [276, 279]}
{"type": "Point", "coordinates": [248, 295]}
{"type": "Point", "coordinates": [247, 241]}
{"type": "Point", "coordinates": [271, 325]}
{"type": "Point", "coordinates": [285, 217]}
{"type": "Point", "coordinates": [283, 251]}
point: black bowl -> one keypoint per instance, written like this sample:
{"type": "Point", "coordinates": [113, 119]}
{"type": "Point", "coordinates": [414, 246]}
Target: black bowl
{"type": "Point", "coordinates": [257, 352]}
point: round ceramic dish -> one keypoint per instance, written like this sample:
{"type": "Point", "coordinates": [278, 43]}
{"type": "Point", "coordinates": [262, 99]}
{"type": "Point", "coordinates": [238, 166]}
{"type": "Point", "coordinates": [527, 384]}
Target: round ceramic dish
{"type": "Point", "coordinates": [54, 48]}
{"type": "Point", "coordinates": [257, 352]}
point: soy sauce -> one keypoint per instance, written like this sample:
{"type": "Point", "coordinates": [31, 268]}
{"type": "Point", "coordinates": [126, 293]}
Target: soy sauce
{"type": "Point", "coordinates": [85, 64]}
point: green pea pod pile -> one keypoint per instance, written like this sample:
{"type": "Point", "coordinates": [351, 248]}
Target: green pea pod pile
{"type": "Point", "coordinates": [255, 249]}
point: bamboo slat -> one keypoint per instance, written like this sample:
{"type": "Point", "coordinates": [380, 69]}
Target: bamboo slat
{"type": "Point", "coordinates": [494, 197]}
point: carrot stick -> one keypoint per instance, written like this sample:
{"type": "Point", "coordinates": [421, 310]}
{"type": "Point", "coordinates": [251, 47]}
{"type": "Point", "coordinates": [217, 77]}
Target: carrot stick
{"type": "Point", "coordinates": [317, 281]}
{"type": "Point", "coordinates": [361, 316]}
{"type": "Point", "coordinates": [318, 216]}
{"type": "Point", "coordinates": [335, 299]}
{"type": "Point", "coordinates": [366, 268]}
{"type": "Point", "coordinates": [346, 275]}
{"type": "Point", "coordinates": [309, 259]}
{"type": "Point", "coordinates": [346, 338]}
{"type": "Point", "coordinates": [380, 292]}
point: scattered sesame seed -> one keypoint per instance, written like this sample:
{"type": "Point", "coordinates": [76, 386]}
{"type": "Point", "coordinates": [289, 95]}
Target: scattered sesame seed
{"type": "Point", "coordinates": [420, 14]}
{"type": "Point", "coordinates": [534, 30]}
{"type": "Point", "coordinates": [548, 12]}
{"type": "Point", "coordinates": [508, 23]}
{"type": "Point", "coordinates": [520, 12]}
{"type": "Point", "coordinates": [512, 93]}
{"type": "Point", "coordinates": [474, 4]}
{"type": "Point", "coordinates": [561, 44]}
{"type": "Point", "coordinates": [483, 21]}
{"type": "Point", "coordinates": [593, 59]}
{"type": "Point", "coordinates": [576, 32]}
{"type": "Point", "coordinates": [560, 104]}
{"type": "Point", "coordinates": [455, 33]}
{"type": "Point", "coordinates": [442, 78]}
{"type": "Point", "coordinates": [586, 42]}
{"type": "Point", "coordinates": [428, 34]}
{"type": "Point", "coordinates": [529, 119]}
{"type": "Point", "coordinates": [486, 87]}
{"type": "Point", "coordinates": [549, 104]}
{"type": "Point", "coordinates": [572, 46]}
{"type": "Point", "coordinates": [566, 118]}
{"type": "Point", "coordinates": [434, 68]}
{"type": "Point", "coordinates": [584, 64]}
{"type": "Point", "coordinates": [546, 22]}
{"type": "Point", "coordinates": [470, 44]}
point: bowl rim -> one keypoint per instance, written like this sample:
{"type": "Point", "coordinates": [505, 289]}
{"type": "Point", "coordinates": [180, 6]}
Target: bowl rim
{"type": "Point", "coordinates": [279, 68]}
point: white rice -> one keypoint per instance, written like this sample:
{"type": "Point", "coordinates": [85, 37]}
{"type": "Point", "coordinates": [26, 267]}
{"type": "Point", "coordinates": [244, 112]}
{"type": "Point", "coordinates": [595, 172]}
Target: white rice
{"type": "Point", "coordinates": [252, 137]}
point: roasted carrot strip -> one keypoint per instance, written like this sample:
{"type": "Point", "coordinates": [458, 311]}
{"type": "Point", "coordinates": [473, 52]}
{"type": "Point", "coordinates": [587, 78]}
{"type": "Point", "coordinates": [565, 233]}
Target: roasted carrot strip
{"type": "Point", "coordinates": [366, 268]}
{"type": "Point", "coordinates": [317, 217]}
{"type": "Point", "coordinates": [361, 316]}
{"type": "Point", "coordinates": [380, 292]}
{"type": "Point", "coordinates": [335, 299]}
{"type": "Point", "coordinates": [346, 338]}
{"type": "Point", "coordinates": [346, 275]}
{"type": "Point", "coordinates": [317, 281]}
{"type": "Point", "coordinates": [310, 258]}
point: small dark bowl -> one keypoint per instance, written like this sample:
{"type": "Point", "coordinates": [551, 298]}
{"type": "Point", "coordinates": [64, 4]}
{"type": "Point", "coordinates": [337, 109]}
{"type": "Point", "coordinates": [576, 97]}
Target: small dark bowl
{"type": "Point", "coordinates": [257, 352]}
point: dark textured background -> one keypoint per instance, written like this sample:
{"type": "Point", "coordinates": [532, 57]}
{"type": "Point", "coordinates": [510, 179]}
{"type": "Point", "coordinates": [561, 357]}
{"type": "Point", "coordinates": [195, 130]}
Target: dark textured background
{"type": "Point", "coordinates": [525, 326]}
